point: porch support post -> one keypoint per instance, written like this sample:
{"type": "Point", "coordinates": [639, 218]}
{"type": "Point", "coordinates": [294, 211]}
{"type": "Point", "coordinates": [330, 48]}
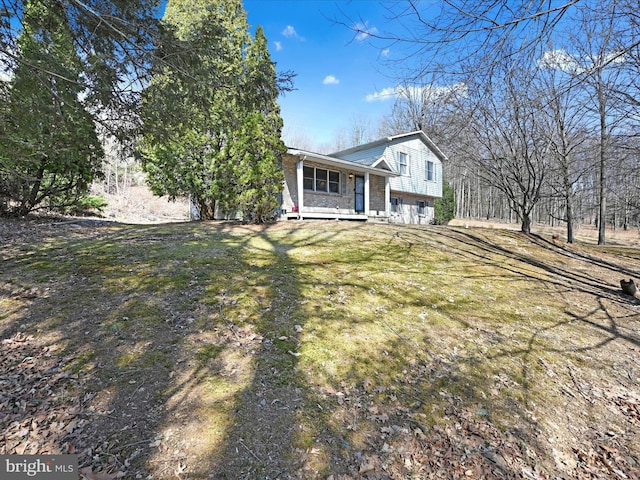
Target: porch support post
{"type": "Point", "coordinates": [366, 193]}
{"type": "Point", "coordinates": [300, 185]}
{"type": "Point", "coordinates": [387, 197]}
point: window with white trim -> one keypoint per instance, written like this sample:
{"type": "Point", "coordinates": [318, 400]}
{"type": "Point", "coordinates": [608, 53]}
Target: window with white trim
{"type": "Point", "coordinates": [430, 169]}
{"type": "Point", "coordinates": [421, 204]}
{"type": "Point", "coordinates": [321, 180]}
{"type": "Point", "coordinates": [396, 203]}
{"type": "Point", "coordinates": [403, 163]}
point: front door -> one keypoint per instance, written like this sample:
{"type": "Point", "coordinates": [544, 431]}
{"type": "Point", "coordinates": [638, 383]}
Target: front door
{"type": "Point", "coordinates": [359, 194]}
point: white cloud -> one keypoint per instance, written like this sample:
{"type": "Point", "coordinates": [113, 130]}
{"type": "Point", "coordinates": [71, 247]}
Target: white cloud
{"type": "Point", "coordinates": [388, 93]}
{"type": "Point", "coordinates": [384, 53]}
{"type": "Point", "coordinates": [560, 60]}
{"type": "Point", "coordinates": [330, 80]}
{"type": "Point", "coordinates": [278, 45]}
{"type": "Point", "coordinates": [364, 31]}
{"type": "Point", "coordinates": [563, 61]}
{"type": "Point", "coordinates": [290, 32]}
{"type": "Point", "coordinates": [615, 57]}
{"type": "Point", "coordinates": [423, 93]}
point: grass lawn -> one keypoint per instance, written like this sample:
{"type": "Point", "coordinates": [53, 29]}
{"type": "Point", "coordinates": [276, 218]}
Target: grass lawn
{"type": "Point", "coordinates": [322, 350]}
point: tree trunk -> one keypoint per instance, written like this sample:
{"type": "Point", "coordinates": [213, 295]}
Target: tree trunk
{"type": "Point", "coordinates": [569, 221]}
{"type": "Point", "coordinates": [602, 211]}
{"type": "Point", "coordinates": [207, 209]}
{"type": "Point", "coordinates": [30, 201]}
{"type": "Point", "coordinates": [526, 223]}
{"type": "Point", "coordinates": [569, 207]}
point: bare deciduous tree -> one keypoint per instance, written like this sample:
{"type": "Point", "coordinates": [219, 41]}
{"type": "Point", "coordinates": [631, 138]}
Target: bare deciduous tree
{"type": "Point", "coordinates": [507, 124]}
{"type": "Point", "coordinates": [592, 126]}
{"type": "Point", "coordinates": [458, 34]}
{"type": "Point", "coordinates": [563, 110]}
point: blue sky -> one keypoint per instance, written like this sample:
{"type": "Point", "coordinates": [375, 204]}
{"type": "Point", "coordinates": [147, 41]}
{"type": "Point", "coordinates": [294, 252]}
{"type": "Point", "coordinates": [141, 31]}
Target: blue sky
{"type": "Point", "coordinates": [339, 75]}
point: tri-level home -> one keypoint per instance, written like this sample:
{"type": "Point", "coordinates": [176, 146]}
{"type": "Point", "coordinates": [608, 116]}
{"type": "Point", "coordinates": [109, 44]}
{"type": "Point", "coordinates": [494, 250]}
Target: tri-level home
{"type": "Point", "coordinates": [394, 179]}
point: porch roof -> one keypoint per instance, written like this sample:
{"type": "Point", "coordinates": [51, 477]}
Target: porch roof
{"type": "Point", "coordinates": [344, 164]}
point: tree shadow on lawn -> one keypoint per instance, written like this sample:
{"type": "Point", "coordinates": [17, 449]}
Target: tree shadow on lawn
{"type": "Point", "coordinates": [400, 409]}
{"type": "Point", "coordinates": [404, 409]}
{"type": "Point", "coordinates": [263, 436]}
{"type": "Point", "coordinates": [186, 339]}
{"type": "Point", "coordinates": [573, 253]}
{"type": "Point", "coordinates": [598, 332]}
{"type": "Point", "coordinates": [589, 279]}
{"type": "Point", "coordinates": [117, 308]}
{"type": "Point", "coordinates": [288, 423]}
{"type": "Point", "coordinates": [555, 272]}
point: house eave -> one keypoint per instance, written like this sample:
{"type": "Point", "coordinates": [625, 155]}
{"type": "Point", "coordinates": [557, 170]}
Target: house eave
{"type": "Point", "coordinates": [339, 163]}
{"type": "Point", "coordinates": [386, 140]}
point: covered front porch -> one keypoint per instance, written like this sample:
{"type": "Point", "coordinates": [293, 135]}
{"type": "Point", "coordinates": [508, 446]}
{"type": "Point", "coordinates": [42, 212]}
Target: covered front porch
{"type": "Point", "coordinates": [328, 215]}
{"type": "Point", "coordinates": [322, 187]}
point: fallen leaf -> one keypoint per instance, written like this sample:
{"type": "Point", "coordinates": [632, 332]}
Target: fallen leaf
{"type": "Point", "coordinates": [366, 467]}
{"type": "Point", "coordinates": [88, 474]}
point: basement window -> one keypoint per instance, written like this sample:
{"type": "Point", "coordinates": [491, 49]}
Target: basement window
{"type": "Point", "coordinates": [396, 204]}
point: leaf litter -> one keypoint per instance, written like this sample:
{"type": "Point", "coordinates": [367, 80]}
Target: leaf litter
{"type": "Point", "coordinates": [43, 409]}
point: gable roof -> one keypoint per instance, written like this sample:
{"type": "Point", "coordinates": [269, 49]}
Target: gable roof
{"type": "Point", "coordinates": [372, 161]}
{"type": "Point", "coordinates": [379, 167]}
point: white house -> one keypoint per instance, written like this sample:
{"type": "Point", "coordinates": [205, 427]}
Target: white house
{"type": "Point", "coordinates": [394, 179]}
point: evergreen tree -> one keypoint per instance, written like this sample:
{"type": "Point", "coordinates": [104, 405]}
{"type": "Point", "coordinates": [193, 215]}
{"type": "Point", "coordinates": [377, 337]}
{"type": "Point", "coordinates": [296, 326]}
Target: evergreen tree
{"type": "Point", "coordinates": [254, 155]}
{"type": "Point", "coordinates": [114, 39]}
{"type": "Point", "coordinates": [186, 110]}
{"type": "Point", "coordinates": [445, 207]}
{"type": "Point", "coordinates": [260, 89]}
{"type": "Point", "coordinates": [49, 153]}
{"type": "Point", "coordinates": [197, 116]}
{"type": "Point", "coordinates": [256, 151]}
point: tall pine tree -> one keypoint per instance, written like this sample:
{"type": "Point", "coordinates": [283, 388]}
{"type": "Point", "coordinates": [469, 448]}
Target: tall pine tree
{"type": "Point", "coordinates": [49, 153]}
{"type": "Point", "coordinates": [256, 148]}
{"type": "Point", "coordinates": [212, 127]}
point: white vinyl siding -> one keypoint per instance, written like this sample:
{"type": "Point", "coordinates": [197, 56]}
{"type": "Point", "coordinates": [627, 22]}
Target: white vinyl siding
{"type": "Point", "coordinates": [415, 181]}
